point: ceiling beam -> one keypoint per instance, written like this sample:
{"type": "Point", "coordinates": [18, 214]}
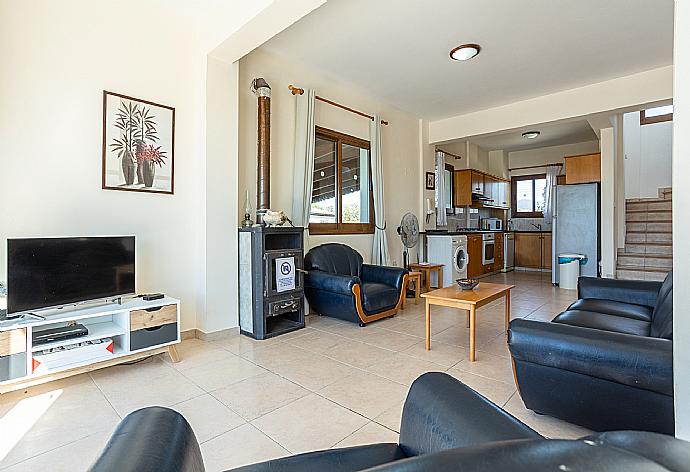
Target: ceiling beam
{"type": "Point", "coordinates": [616, 95]}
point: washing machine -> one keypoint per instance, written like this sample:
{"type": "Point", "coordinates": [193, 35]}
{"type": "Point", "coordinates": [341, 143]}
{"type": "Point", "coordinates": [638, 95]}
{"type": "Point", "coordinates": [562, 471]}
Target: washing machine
{"type": "Point", "coordinates": [451, 251]}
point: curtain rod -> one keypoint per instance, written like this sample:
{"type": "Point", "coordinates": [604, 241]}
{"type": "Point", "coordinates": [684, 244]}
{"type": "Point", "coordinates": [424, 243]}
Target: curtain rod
{"type": "Point", "coordinates": [535, 167]}
{"type": "Point", "coordinates": [449, 153]}
{"type": "Point", "coordinates": [299, 91]}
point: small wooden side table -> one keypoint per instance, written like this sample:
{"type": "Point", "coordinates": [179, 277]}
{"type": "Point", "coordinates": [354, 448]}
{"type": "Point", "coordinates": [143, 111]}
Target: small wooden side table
{"type": "Point", "coordinates": [426, 268]}
{"type": "Point", "coordinates": [415, 276]}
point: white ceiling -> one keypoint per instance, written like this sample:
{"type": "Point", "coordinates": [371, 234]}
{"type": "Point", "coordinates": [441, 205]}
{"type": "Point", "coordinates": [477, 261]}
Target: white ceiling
{"type": "Point", "coordinates": [398, 49]}
{"type": "Point", "coordinates": [550, 135]}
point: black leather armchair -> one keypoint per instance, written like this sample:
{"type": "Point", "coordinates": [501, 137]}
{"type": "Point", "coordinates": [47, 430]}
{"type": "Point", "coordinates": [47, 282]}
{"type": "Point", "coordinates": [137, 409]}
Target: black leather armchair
{"type": "Point", "coordinates": [606, 363]}
{"type": "Point", "coordinates": [340, 285]}
{"type": "Point", "coordinates": [445, 426]}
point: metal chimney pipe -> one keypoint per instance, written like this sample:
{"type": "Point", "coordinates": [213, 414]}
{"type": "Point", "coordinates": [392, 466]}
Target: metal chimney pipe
{"type": "Point", "coordinates": [263, 175]}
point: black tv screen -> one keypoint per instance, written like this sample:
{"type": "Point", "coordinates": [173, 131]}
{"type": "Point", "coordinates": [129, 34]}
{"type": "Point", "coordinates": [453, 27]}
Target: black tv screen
{"type": "Point", "coordinates": [49, 272]}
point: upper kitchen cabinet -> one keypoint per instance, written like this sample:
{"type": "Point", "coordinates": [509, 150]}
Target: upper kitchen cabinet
{"type": "Point", "coordinates": [488, 190]}
{"type": "Point", "coordinates": [477, 182]}
{"type": "Point", "coordinates": [583, 169]}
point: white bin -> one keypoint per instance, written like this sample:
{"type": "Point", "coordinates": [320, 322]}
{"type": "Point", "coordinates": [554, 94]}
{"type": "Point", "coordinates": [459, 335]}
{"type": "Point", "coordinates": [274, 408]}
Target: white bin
{"type": "Point", "coordinates": [569, 270]}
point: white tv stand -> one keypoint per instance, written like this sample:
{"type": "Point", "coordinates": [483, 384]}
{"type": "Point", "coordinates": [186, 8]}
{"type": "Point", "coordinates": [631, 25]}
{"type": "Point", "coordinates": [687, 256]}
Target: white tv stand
{"type": "Point", "coordinates": [117, 333]}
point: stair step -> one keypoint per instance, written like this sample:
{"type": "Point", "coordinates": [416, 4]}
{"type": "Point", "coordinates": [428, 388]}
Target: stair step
{"type": "Point", "coordinates": [628, 274]}
{"type": "Point", "coordinates": [642, 237]}
{"type": "Point", "coordinates": [649, 227]}
{"type": "Point", "coordinates": [651, 205]}
{"type": "Point", "coordinates": [647, 248]}
{"type": "Point", "coordinates": [645, 261]}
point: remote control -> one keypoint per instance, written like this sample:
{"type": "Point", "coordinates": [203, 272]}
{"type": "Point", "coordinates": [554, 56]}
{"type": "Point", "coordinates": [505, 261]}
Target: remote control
{"type": "Point", "coordinates": [153, 296]}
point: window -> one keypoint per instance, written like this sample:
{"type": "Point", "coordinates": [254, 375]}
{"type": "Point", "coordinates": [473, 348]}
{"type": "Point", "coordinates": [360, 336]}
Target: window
{"type": "Point", "coordinates": [656, 115]}
{"type": "Point", "coordinates": [341, 200]}
{"type": "Point", "coordinates": [529, 196]}
{"type": "Point", "coordinates": [448, 175]}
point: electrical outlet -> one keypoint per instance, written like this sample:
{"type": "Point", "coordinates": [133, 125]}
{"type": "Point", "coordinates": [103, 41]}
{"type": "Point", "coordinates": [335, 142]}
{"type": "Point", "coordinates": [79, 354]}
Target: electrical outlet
{"type": "Point", "coordinates": [394, 262]}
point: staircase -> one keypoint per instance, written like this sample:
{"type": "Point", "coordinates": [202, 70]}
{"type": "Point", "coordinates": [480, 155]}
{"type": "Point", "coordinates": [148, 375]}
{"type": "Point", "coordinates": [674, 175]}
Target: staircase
{"type": "Point", "coordinates": [648, 252]}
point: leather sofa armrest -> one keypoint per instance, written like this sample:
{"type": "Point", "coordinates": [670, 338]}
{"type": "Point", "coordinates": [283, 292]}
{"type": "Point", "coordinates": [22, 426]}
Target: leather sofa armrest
{"type": "Point", "coordinates": [637, 361]}
{"type": "Point", "coordinates": [153, 438]}
{"type": "Point", "coordinates": [392, 276]}
{"type": "Point", "coordinates": [441, 413]}
{"type": "Point", "coordinates": [627, 291]}
{"type": "Point", "coordinates": [335, 283]}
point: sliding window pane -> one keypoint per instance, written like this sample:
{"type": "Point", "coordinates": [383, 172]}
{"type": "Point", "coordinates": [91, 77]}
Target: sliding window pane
{"type": "Point", "coordinates": [524, 196]}
{"type": "Point", "coordinates": [324, 196]}
{"type": "Point", "coordinates": [355, 183]}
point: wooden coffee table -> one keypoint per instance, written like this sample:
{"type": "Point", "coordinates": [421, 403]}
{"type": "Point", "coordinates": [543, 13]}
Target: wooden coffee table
{"type": "Point", "coordinates": [452, 296]}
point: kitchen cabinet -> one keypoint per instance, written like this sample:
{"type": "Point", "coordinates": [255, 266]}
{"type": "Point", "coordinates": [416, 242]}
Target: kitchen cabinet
{"type": "Point", "coordinates": [498, 251]}
{"type": "Point", "coordinates": [477, 182]}
{"type": "Point", "coordinates": [533, 250]}
{"type": "Point", "coordinates": [546, 251]}
{"type": "Point", "coordinates": [468, 181]}
{"type": "Point", "coordinates": [462, 191]}
{"type": "Point", "coordinates": [474, 252]}
{"type": "Point", "coordinates": [583, 169]}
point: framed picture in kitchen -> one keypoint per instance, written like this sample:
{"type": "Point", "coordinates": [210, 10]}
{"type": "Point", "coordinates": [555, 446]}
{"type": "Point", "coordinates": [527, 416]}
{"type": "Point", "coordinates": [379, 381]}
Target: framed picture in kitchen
{"type": "Point", "coordinates": [138, 145]}
{"type": "Point", "coordinates": [430, 181]}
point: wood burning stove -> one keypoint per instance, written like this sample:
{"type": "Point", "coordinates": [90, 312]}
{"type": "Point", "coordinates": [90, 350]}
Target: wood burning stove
{"type": "Point", "coordinates": [269, 304]}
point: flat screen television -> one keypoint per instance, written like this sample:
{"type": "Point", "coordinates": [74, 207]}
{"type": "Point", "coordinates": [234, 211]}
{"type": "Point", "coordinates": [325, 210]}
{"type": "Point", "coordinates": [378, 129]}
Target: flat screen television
{"type": "Point", "coordinates": [52, 272]}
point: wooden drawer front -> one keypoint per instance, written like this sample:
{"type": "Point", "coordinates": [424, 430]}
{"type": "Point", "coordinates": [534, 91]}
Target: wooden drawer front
{"type": "Point", "coordinates": [140, 319]}
{"type": "Point", "coordinates": [154, 336]}
{"type": "Point", "coordinates": [12, 342]}
{"type": "Point", "coordinates": [13, 366]}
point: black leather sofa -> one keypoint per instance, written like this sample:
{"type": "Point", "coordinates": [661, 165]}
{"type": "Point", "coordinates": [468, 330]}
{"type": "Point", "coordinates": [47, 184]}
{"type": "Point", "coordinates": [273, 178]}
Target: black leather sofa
{"type": "Point", "coordinates": [340, 285]}
{"type": "Point", "coordinates": [445, 426]}
{"type": "Point", "coordinates": [605, 363]}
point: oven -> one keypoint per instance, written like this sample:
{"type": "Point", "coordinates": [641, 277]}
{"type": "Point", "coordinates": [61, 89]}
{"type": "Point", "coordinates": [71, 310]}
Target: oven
{"type": "Point", "coordinates": [488, 248]}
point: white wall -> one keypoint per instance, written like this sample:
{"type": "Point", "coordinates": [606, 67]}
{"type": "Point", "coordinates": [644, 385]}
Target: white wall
{"type": "Point", "coordinates": [681, 223]}
{"type": "Point", "coordinates": [62, 55]}
{"type": "Point", "coordinates": [400, 144]}
{"type": "Point", "coordinates": [648, 150]}
{"type": "Point", "coordinates": [547, 155]}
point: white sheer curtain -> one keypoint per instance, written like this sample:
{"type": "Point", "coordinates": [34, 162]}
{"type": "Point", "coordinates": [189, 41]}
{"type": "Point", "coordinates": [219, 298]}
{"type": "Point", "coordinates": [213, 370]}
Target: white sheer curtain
{"type": "Point", "coordinates": [441, 219]}
{"type": "Point", "coordinates": [551, 177]}
{"type": "Point", "coordinates": [379, 254]}
{"type": "Point", "coordinates": [304, 159]}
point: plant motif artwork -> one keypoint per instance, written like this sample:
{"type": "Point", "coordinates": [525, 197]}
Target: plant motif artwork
{"type": "Point", "coordinates": [138, 144]}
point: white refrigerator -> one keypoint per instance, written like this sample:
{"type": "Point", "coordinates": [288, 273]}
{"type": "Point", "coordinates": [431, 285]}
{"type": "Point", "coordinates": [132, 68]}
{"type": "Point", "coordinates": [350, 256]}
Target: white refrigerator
{"type": "Point", "coordinates": [577, 226]}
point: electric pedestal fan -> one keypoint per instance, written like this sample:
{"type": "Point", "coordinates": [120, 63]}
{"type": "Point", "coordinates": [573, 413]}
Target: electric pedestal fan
{"type": "Point", "coordinates": [409, 235]}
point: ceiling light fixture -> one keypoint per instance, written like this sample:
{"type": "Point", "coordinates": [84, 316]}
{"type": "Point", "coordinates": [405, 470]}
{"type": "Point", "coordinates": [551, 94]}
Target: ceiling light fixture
{"type": "Point", "coordinates": [530, 134]}
{"type": "Point", "coordinates": [465, 52]}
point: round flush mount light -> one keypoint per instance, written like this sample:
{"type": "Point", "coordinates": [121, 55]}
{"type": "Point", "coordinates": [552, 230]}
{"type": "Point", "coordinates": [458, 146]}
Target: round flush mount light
{"type": "Point", "coordinates": [530, 134]}
{"type": "Point", "coordinates": [465, 52]}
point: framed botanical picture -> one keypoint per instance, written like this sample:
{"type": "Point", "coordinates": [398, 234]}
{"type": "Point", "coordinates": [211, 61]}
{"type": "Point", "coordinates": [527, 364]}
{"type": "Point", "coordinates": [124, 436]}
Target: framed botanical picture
{"type": "Point", "coordinates": [430, 181]}
{"type": "Point", "coordinates": [138, 145]}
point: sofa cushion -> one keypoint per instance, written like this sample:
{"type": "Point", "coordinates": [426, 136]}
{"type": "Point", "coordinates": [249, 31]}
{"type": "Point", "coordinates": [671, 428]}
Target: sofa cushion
{"type": "Point", "coordinates": [590, 319]}
{"type": "Point", "coordinates": [378, 297]}
{"type": "Point", "coordinates": [662, 318]}
{"type": "Point", "coordinates": [334, 258]}
{"type": "Point", "coordinates": [610, 307]}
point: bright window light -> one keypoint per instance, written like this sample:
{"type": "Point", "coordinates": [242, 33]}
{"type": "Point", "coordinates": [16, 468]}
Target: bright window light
{"type": "Point", "coordinates": [658, 111]}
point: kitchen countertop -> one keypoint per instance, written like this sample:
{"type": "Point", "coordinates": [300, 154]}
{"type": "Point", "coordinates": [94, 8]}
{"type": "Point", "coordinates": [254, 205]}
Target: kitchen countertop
{"type": "Point", "coordinates": [441, 232]}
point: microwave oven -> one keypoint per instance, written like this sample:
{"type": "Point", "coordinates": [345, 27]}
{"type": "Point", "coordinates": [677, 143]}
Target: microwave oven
{"type": "Point", "coordinates": [492, 224]}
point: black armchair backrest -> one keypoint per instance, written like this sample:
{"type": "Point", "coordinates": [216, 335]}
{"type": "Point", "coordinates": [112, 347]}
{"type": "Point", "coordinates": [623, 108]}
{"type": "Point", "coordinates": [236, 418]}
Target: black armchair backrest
{"type": "Point", "coordinates": [441, 413]}
{"type": "Point", "coordinates": [662, 317]}
{"type": "Point", "coordinates": [334, 258]}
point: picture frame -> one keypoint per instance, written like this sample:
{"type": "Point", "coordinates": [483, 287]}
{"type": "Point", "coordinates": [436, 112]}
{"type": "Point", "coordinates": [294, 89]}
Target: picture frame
{"type": "Point", "coordinates": [430, 181]}
{"type": "Point", "coordinates": [138, 148]}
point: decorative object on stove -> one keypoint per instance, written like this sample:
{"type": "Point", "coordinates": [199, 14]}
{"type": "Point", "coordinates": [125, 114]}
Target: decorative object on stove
{"type": "Point", "coordinates": [262, 90]}
{"type": "Point", "coordinates": [275, 218]}
{"type": "Point", "coordinates": [247, 221]}
{"type": "Point", "coordinates": [409, 235]}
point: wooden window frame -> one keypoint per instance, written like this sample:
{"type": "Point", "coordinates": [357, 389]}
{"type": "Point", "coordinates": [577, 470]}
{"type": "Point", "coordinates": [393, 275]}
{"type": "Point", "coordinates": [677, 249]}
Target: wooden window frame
{"type": "Point", "coordinates": [340, 227]}
{"type": "Point", "coordinates": [513, 196]}
{"type": "Point", "coordinates": [654, 119]}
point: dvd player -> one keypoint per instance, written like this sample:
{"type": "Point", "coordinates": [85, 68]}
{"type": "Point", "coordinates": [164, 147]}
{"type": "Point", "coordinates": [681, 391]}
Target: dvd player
{"type": "Point", "coordinates": [58, 334]}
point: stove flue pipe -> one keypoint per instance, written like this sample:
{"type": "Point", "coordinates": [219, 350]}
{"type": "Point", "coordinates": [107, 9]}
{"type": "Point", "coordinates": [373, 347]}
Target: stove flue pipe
{"type": "Point", "coordinates": [263, 175]}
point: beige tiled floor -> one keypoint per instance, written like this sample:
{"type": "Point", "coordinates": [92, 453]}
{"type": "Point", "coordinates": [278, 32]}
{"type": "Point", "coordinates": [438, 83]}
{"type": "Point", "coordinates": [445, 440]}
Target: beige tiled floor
{"type": "Point", "coordinates": [331, 384]}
